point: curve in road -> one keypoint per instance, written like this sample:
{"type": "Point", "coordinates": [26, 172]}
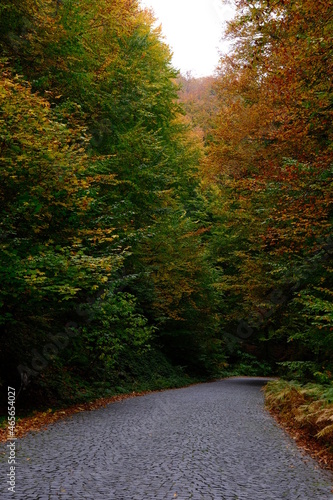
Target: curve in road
{"type": "Point", "coordinates": [208, 441]}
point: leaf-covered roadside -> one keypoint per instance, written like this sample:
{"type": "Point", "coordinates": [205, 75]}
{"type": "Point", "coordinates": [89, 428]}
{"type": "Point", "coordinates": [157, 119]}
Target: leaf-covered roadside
{"type": "Point", "coordinates": [40, 420]}
{"type": "Point", "coordinates": [306, 412]}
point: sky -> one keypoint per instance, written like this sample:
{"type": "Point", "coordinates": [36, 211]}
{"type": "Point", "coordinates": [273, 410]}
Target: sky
{"type": "Point", "coordinates": [193, 29]}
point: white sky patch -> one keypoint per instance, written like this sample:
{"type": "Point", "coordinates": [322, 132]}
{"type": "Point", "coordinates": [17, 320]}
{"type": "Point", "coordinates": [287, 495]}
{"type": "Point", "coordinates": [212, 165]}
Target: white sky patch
{"type": "Point", "coordinates": [193, 29]}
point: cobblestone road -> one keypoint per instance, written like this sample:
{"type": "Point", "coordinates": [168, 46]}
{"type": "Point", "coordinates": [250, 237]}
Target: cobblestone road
{"type": "Point", "coordinates": [209, 441]}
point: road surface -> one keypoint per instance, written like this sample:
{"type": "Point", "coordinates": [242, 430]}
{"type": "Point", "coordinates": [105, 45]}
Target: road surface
{"type": "Point", "coordinates": [207, 441]}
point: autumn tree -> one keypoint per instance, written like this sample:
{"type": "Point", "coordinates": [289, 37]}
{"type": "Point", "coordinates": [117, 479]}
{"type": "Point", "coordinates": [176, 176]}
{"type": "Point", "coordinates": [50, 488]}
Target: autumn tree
{"type": "Point", "coordinates": [198, 96]}
{"type": "Point", "coordinates": [271, 159]}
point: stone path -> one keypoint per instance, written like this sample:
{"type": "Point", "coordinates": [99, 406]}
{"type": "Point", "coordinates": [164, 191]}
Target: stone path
{"type": "Point", "coordinates": [208, 441]}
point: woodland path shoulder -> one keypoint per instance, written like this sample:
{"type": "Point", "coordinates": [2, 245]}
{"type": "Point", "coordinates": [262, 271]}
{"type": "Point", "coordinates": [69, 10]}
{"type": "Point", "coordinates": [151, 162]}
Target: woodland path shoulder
{"type": "Point", "coordinates": [208, 441]}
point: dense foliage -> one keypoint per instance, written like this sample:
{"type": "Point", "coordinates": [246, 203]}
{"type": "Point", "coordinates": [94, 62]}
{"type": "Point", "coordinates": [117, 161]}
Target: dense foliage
{"type": "Point", "coordinates": [139, 245]}
{"type": "Point", "coordinates": [102, 261]}
{"type": "Point", "coordinates": [269, 171]}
